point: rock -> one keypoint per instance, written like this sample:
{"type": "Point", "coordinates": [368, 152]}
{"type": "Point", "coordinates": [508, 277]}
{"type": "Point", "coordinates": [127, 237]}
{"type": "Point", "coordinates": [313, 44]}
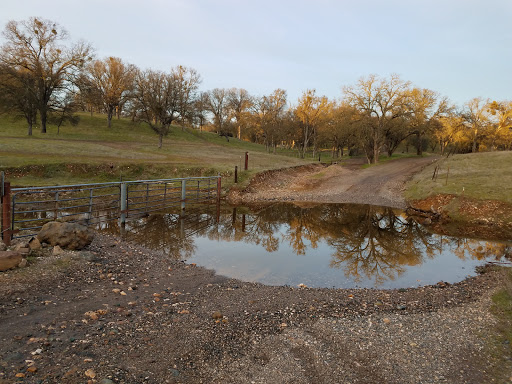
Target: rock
{"type": "Point", "coordinates": [57, 251]}
{"type": "Point", "coordinates": [34, 244]}
{"type": "Point", "coordinates": [217, 315]}
{"type": "Point", "coordinates": [90, 373]}
{"type": "Point", "coordinates": [9, 259]}
{"type": "Point", "coordinates": [106, 381]}
{"type": "Point", "coordinates": [3, 247]}
{"type": "Point", "coordinates": [23, 263]}
{"type": "Point", "coordinates": [70, 236]}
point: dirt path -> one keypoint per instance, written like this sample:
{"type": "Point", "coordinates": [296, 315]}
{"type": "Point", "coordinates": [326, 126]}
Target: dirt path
{"type": "Point", "coordinates": [340, 183]}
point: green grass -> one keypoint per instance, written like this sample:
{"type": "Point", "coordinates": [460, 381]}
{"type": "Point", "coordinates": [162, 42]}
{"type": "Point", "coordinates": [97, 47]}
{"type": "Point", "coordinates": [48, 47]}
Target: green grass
{"type": "Point", "coordinates": [394, 156]}
{"type": "Point", "coordinates": [485, 176]}
{"type": "Point", "coordinates": [91, 152]}
{"type": "Point", "coordinates": [502, 310]}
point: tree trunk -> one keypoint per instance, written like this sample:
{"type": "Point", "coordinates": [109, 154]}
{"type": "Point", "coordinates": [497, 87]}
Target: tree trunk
{"type": "Point", "coordinates": [30, 128]}
{"type": "Point", "coordinates": [42, 112]}
{"type": "Point", "coordinates": [473, 148]}
{"type": "Point", "coordinates": [419, 146]}
{"type": "Point", "coordinates": [110, 112]}
{"type": "Point", "coordinates": [160, 140]}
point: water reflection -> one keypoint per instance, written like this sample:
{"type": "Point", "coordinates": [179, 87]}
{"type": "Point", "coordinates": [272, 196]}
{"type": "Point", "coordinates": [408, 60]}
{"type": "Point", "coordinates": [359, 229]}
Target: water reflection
{"type": "Point", "coordinates": [321, 245]}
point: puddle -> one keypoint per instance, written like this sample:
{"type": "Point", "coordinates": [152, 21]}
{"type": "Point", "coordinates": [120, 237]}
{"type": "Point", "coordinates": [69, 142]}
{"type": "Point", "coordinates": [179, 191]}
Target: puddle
{"type": "Point", "coordinates": [325, 245]}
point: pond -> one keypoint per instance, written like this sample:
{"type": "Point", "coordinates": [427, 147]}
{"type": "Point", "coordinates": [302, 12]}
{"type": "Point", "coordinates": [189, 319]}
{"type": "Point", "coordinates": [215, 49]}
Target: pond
{"type": "Point", "coordinates": [318, 245]}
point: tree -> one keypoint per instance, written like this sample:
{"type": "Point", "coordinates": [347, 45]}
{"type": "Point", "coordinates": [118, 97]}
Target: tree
{"type": "Point", "coordinates": [500, 122]}
{"type": "Point", "coordinates": [33, 49]}
{"type": "Point", "coordinates": [239, 102]}
{"type": "Point", "coordinates": [218, 106]}
{"type": "Point", "coordinates": [477, 119]}
{"type": "Point", "coordinates": [200, 109]}
{"type": "Point", "coordinates": [379, 102]}
{"type": "Point", "coordinates": [449, 131]}
{"type": "Point", "coordinates": [17, 94]}
{"type": "Point", "coordinates": [268, 116]}
{"type": "Point", "coordinates": [310, 110]}
{"type": "Point", "coordinates": [186, 82]}
{"type": "Point", "coordinates": [112, 81]}
{"type": "Point", "coordinates": [154, 101]}
{"type": "Point", "coordinates": [426, 107]}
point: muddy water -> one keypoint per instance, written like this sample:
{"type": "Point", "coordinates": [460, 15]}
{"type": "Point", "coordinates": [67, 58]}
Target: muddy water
{"type": "Point", "coordinates": [327, 245]}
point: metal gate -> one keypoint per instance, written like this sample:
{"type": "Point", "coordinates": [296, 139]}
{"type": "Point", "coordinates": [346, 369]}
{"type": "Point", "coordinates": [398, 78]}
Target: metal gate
{"type": "Point", "coordinates": [26, 210]}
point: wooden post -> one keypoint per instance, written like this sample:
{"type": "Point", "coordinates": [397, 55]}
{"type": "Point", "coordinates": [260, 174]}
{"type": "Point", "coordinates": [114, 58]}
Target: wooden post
{"type": "Point", "coordinates": [219, 182]}
{"type": "Point", "coordinates": [6, 214]}
{"type": "Point", "coordinates": [246, 160]}
{"type": "Point", "coordinates": [236, 174]}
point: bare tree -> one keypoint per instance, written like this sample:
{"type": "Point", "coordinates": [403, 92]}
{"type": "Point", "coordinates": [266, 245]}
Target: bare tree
{"type": "Point", "coordinates": [186, 83]}
{"type": "Point", "coordinates": [33, 47]}
{"type": "Point", "coordinates": [218, 106]}
{"type": "Point", "coordinates": [239, 102]}
{"type": "Point", "coordinates": [379, 101]}
{"type": "Point", "coordinates": [112, 80]}
{"type": "Point", "coordinates": [154, 100]}
{"type": "Point", "coordinates": [476, 116]}
{"type": "Point", "coordinates": [311, 110]}
{"type": "Point", "coordinates": [17, 95]}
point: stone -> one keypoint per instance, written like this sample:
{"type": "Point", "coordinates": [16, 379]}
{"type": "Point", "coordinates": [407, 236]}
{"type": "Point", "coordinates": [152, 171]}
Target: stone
{"type": "Point", "coordinates": [217, 315]}
{"type": "Point", "coordinates": [9, 259]}
{"type": "Point", "coordinates": [3, 247]}
{"type": "Point", "coordinates": [34, 244]}
{"type": "Point", "coordinates": [57, 251]}
{"type": "Point", "coordinates": [23, 263]}
{"type": "Point", "coordinates": [90, 373]}
{"type": "Point", "coordinates": [71, 236]}
{"type": "Point", "coordinates": [106, 381]}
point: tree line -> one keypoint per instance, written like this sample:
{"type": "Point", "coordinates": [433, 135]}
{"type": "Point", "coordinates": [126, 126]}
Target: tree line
{"type": "Point", "coordinates": [45, 78]}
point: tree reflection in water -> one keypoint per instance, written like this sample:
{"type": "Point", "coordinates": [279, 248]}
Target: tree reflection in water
{"type": "Point", "coordinates": [374, 243]}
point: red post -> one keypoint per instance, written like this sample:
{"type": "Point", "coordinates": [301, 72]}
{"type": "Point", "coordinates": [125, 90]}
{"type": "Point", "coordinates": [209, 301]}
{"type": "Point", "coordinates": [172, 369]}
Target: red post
{"type": "Point", "coordinates": [6, 214]}
{"type": "Point", "coordinates": [246, 160]}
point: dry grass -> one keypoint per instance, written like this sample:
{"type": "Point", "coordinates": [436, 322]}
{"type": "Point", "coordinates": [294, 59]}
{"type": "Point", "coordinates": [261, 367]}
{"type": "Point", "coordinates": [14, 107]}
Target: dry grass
{"type": "Point", "coordinates": [485, 176]}
{"type": "Point", "coordinates": [130, 149]}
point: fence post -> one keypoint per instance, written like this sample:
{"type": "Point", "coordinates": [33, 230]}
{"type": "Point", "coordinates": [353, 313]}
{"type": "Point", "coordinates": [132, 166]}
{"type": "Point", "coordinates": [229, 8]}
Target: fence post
{"type": "Point", "coordinates": [246, 160]}
{"type": "Point", "coordinates": [123, 199]}
{"type": "Point", "coordinates": [219, 182]}
{"type": "Point", "coordinates": [56, 205]}
{"type": "Point", "coordinates": [91, 195]}
{"type": "Point", "coordinates": [183, 193]}
{"type": "Point", "coordinates": [236, 174]}
{"type": "Point", "coordinates": [6, 214]}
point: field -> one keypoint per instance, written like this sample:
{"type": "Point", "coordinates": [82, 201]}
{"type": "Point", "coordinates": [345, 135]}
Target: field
{"type": "Point", "coordinates": [91, 152]}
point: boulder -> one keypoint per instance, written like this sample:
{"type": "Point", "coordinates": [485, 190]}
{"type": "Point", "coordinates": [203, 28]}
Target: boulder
{"type": "Point", "coordinates": [9, 259]}
{"type": "Point", "coordinates": [3, 247]}
{"type": "Point", "coordinates": [71, 236]}
{"type": "Point", "coordinates": [34, 244]}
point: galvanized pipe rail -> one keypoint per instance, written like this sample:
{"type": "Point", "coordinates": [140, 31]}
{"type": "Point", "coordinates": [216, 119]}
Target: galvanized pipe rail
{"type": "Point", "coordinates": [25, 210]}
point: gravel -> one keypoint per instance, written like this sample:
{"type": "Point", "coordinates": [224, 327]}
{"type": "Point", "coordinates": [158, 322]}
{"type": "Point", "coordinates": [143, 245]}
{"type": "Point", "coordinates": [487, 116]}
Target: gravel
{"type": "Point", "coordinates": [124, 314]}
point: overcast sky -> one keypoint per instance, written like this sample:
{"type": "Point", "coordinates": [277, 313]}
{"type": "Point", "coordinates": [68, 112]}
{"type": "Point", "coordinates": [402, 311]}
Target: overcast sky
{"type": "Point", "coordinates": [459, 48]}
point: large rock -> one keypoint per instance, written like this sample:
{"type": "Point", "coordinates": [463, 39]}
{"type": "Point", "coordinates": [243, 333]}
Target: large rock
{"type": "Point", "coordinates": [9, 259]}
{"type": "Point", "coordinates": [70, 236]}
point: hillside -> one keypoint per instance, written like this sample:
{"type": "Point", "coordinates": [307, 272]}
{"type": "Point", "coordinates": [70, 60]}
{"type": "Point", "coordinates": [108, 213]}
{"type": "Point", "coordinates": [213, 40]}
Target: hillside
{"type": "Point", "coordinates": [91, 152]}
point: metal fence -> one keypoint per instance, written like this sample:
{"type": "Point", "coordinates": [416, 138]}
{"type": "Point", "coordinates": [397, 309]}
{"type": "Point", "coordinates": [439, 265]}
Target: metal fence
{"type": "Point", "coordinates": [26, 210]}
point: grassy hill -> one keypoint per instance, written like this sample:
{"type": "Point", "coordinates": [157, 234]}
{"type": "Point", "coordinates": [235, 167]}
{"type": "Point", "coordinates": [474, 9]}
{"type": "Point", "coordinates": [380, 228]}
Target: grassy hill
{"type": "Point", "coordinates": [91, 152]}
{"type": "Point", "coordinates": [482, 176]}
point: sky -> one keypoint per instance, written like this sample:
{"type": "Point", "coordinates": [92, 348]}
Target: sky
{"type": "Point", "coordinates": [459, 48]}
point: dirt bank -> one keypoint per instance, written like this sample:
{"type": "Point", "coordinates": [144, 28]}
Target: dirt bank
{"type": "Point", "coordinates": [122, 313]}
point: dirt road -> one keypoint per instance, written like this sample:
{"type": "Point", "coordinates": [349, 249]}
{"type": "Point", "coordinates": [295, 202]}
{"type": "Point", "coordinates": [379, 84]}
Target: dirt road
{"type": "Point", "coordinates": [348, 182]}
